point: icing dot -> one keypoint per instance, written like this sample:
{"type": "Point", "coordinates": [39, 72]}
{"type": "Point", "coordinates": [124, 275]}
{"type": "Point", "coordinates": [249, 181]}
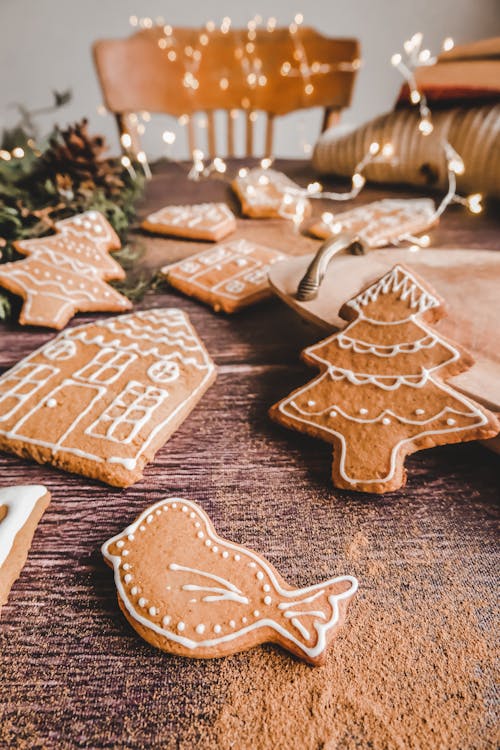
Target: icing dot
{"type": "Point", "coordinates": [120, 543]}
{"type": "Point", "coordinates": [200, 535]}
{"type": "Point", "coordinates": [260, 575]}
{"type": "Point", "coordinates": [149, 518]}
{"type": "Point", "coordinates": [180, 626]}
{"type": "Point", "coordinates": [215, 548]}
{"type": "Point", "coordinates": [134, 590]}
{"type": "Point", "coordinates": [252, 565]}
{"type": "Point", "coordinates": [51, 402]}
{"type": "Point", "coordinates": [152, 611]}
{"type": "Point", "coordinates": [311, 402]}
{"type": "Point", "coordinates": [166, 620]}
{"type": "Point", "coordinates": [142, 528]}
{"type": "Point", "coordinates": [131, 537]}
{"type": "Point", "coordinates": [208, 543]}
{"type": "Point", "coordinates": [451, 421]}
{"type": "Point", "coordinates": [232, 624]}
{"type": "Point", "coordinates": [126, 566]}
{"type": "Point", "coordinates": [419, 411]}
{"type": "Point", "coordinates": [184, 509]}
{"type": "Point", "coordinates": [200, 629]}
{"type": "Point", "coordinates": [333, 413]}
{"type": "Point", "coordinates": [266, 587]}
{"type": "Point", "coordinates": [256, 613]}
{"type": "Point", "coordinates": [125, 552]}
{"type": "Point", "coordinates": [386, 420]}
{"type": "Point", "coordinates": [244, 620]}
{"type": "Point", "coordinates": [267, 600]}
{"type": "Point", "coordinates": [363, 411]}
{"type": "Point", "coordinates": [174, 505]}
{"type": "Point", "coordinates": [165, 507]}
{"type": "Point", "coordinates": [217, 628]}
{"type": "Point", "coordinates": [237, 557]}
{"type": "Point", "coordinates": [127, 578]}
{"type": "Point", "coordinates": [142, 602]}
{"type": "Point", "coordinates": [158, 511]}
{"type": "Point", "coordinates": [225, 554]}
{"type": "Point", "coordinates": [192, 515]}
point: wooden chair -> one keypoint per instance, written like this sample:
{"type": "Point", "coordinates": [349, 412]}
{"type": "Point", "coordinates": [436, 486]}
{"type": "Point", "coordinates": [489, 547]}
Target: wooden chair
{"type": "Point", "coordinates": [182, 71]}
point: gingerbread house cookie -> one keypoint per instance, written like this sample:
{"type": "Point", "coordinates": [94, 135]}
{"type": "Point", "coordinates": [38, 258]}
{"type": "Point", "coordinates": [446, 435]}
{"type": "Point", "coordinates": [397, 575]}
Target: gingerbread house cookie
{"type": "Point", "coordinates": [101, 399]}
{"type": "Point", "coordinates": [266, 193]}
{"type": "Point", "coordinates": [229, 276]}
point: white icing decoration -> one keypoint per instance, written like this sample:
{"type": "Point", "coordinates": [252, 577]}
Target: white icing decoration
{"type": "Point", "coordinates": [288, 600]}
{"type": "Point", "coordinates": [51, 403]}
{"type": "Point", "coordinates": [400, 282]}
{"type": "Point", "coordinates": [20, 502]}
{"type": "Point", "coordinates": [160, 334]}
{"type": "Point", "coordinates": [249, 261]}
{"type": "Point", "coordinates": [164, 372]}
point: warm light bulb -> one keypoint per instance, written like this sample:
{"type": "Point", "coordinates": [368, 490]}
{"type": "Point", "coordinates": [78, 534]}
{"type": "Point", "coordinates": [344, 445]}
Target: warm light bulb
{"type": "Point", "coordinates": [133, 20]}
{"type": "Point", "coordinates": [298, 18]}
{"type": "Point", "coordinates": [271, 24]}
{"type": "Point", "coordinates": [309, 88]}
{"type": "Point", "coordinates": [396, 59]}
{"type": "Point", "coordinates": [314, 187]}
{"type": "Point", "coordinates": [204, 39]}
{"type": "Point", "coordinates": [172, 55]}
{"type": "Point", "coordinates": [426, 127]}
{"type": "Point", "coordinates": [169, 137]}
{"type": "Point", "coordinates": [388, 150]}
{"type": "Point", "coordinates": [424, 56]}
{"type": "Point", "coordinates": [219, 165]}
{"type": "Point", "coordinates": [415, 96]}
{"type": "Point", "coordinates": [374, 148]}
{"type": "Point", "coordinates": [198, 154]}
{"type": "Point", "coordinates": [425, 240]}
{"type": "Point", "coordinates": [285, 68]}
{"type": "Point", "coordinates": [327, 217]}
{"type": "Point", "coordinates": [223, 84]}
{"type": "Point", "coordinates": [456, 165]}
{"type": "Point", "coordinates": [141, 157]}
{"type": "Point", "coordinates": [266, 163]}
{"type": "Point", "coordinates": [18, 152]}
{"type": "Point", "coordinates": [126, 140]}
{"type": "Point", "coordinates": [5, 155]}
{"type": "Point", "coordinates": [243, 172]}
{"type": "Point", "coordinates": [474, 203]}
{"type": "Point", "coordinates": [358, 180]}
{"type": "Point", "coordinates": [448, 44]}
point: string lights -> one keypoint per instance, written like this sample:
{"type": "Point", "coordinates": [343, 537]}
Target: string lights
{"type": "Point", "coordinates": [414, 56]}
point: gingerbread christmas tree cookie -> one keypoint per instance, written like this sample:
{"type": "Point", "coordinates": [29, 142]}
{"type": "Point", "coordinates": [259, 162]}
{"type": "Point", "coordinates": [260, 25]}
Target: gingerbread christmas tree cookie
{"type": "Point", "coordinates": [102, 399]}
{"type": "Point", "coordinates": [228, 276]}
{"type": "Point", "coordinates": [382, 392]}
{"type": "Point", "coordinates": [66, 272]}
{"type": "Point", "coordinates": [202, 221]}
{"type": "Point", "coordinates": [189, 592]}
{"type": "Point", "coordinates": [21, 508]}
{"type": "Point", "coordinates": [266, 193]}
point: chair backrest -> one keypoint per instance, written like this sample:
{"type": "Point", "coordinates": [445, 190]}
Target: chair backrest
{"type": "Point", "coordinates": [182, 71]}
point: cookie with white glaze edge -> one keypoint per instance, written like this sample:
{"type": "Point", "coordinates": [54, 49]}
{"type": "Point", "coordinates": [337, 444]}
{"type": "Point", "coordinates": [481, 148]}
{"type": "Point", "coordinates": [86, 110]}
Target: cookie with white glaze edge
{"type": "Point", "coordinates": [191, 593]}
{"type": "Point", "coordinates": [268, 194]}
{"type": "Point", "coordinates": [67, 272]}
{"type": "Point", "coordinates": [103, 398]}
{"type": "Point", "coordinates": [200, 221]}
{"type": "Point", "coordinates": [21, 508]}
{"type": "Point", "coordinates": [382, 392]}
{"type": "Point", "coordinates": [229, 276]}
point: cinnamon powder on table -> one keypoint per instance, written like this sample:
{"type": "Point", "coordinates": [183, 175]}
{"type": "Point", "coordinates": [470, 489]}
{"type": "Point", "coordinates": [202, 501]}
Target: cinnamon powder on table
{"type": "Point", "coordinates": [410, 669]}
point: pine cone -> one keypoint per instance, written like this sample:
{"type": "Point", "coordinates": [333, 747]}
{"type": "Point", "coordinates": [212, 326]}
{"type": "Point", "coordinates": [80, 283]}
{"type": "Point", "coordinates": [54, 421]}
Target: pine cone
{"type": "Point", "coordinates": [74, 160]}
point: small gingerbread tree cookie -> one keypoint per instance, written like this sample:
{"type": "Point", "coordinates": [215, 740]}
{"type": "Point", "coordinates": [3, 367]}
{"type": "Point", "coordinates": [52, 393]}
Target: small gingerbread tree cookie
{"type": "Point", "coordinates": [382, 393]}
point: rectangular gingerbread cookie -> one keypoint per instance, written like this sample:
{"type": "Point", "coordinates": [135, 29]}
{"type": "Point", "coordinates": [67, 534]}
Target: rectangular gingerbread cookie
{"type": "Point", "coordinates": [102, 399]}
{"type": "Point", "coordinates": [266, 193]}
{"type": "Point", "coordinates": [21, 509]}
{"type": "Point", "coordinates": [202, 221]}
{"type": "Point", "coordinates": [229, 276]}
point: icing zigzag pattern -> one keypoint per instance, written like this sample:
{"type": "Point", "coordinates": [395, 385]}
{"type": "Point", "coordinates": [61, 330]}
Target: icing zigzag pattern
{"type": "Point", "coordinates": [66, 273]}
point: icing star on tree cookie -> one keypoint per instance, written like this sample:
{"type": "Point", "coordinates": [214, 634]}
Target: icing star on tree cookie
{"type": "Point", "coordinates": [66, 273]}
{"type": "Point", "coordinates": [382, 392]}
{"type": "Point", "coordinates": [189, 592]}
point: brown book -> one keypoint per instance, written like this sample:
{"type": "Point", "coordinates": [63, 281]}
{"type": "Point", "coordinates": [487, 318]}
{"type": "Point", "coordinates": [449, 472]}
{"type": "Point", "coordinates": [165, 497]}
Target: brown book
{"type": "Point", "coordinates": [469, 72]}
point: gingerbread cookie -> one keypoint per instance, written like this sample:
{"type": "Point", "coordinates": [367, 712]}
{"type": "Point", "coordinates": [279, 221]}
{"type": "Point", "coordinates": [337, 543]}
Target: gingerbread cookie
{"type": "Point", "coordinates": [66, 272]}
{"type": "Point", "coordinates": [101, 399]}
{"type": "Point", "coordinates": [189, 592]}
{"type": "Point", "coordinates": [229, 276]}
{"type": "Point", "coordinates": [382, 392]}
{"type": "Point", "coordinates": [21, 508]}
{"type": "Point", "coordinates": [265, 193]}
{"type": "Point", "coordinates": [203, 221]}
{"type": "Point", "coordinates": [380, 223]}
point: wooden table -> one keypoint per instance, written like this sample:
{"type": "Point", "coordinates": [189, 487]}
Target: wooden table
{"type": "Point", "coordinates": [413, 666]}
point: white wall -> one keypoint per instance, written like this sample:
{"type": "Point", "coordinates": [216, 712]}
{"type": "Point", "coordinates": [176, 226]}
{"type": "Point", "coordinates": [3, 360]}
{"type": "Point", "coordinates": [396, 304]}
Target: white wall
{"type": "Point", "coordinates": [45, 45]}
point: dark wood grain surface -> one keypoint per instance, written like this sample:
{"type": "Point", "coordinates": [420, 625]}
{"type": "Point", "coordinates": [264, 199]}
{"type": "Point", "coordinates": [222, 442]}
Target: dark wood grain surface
{"type": "Point", "coordinates": [75, 675]}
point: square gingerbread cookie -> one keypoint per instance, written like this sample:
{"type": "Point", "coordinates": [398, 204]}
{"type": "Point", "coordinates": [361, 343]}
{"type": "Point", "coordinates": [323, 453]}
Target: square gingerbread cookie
{"type": "Point", "coordinates": [102, 399]}
{"type": "Point", "coordinates": [202, 221]}
{"type": "Point", "coordinates": [229, 276]}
